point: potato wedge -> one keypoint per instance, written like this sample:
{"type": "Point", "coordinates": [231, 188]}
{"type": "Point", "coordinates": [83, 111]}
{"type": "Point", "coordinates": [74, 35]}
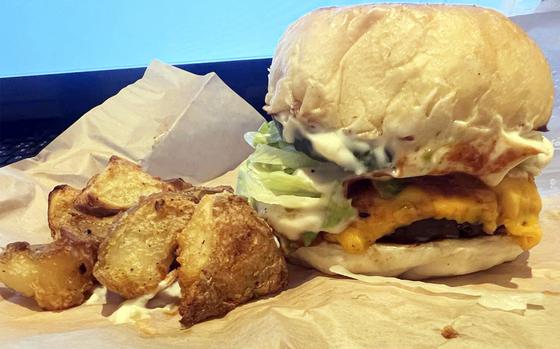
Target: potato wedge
{"type": "Point", "coordinates": [227, 256]}
{"type": "Point", "coordinates": [57, 275]}
{"type": "Point", "coordinates": [137, 254]}
{"type": "Point", "coordinates": [200, 192]}
{"type": "Point", "coordinates": [179, 184]}
{"type": "Point", "coordinates": [117, 188]}
{"type": "Point", "coordinates": [63, 216]}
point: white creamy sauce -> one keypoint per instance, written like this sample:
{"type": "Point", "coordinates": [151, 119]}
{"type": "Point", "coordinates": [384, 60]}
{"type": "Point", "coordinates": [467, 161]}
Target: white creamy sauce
{"type": "Point", "coordinates": [167, 297]}
{"type": "Point", "coordinates": [98, 296]}
{"type": "Point", "coordinates": [292, 223]}
{"type": "Point", "coordinates": [333, 145]}
{"type": "Point", "coordinates": [530, 165]}
{"type": "Point", "coordinates": [136, 309]}
{"type": "Point", "coordinates": [173, 291]}
{"type": "Point", "coordinates": [132, 310]}
{"type": "Point", "coordinates": [339, 147]}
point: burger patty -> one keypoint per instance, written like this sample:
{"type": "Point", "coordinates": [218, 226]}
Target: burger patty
{"type": "Point", "coordinates": [431, 229]}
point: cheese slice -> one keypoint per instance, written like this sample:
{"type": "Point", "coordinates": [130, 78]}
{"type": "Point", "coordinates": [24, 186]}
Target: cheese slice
{"type": "Point", "coordinates": [515, 203]}
{"type": "Point", "coordinates": [519, 203]}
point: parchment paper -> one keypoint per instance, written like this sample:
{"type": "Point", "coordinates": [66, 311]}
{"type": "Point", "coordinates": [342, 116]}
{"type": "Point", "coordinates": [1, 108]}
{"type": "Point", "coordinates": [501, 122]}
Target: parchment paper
{"type": "Point", "coordinates": [179, 124]}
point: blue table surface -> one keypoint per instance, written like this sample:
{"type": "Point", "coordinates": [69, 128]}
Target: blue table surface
{"type": "Point", "coordinates": [56, 36]}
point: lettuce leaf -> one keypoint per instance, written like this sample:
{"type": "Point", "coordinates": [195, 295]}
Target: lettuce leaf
{"type": "Point", "coordinates": [339, 209]}
{"type": "Point", "coordinates": [250, 185]}
{"type": "Point", "coordinates": [282, 183]}
{"type": "Point", "coordinates": [286, 158]}
{"type": "Point", "coordinates": [308, 237]}
{"type": "Point", "coordinates": [269, 134]}
{"type": "Point", "coordinates": [277, 174]}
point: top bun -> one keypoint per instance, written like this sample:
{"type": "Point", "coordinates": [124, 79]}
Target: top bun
{"type": "Point", "coordinates": [445, 88]}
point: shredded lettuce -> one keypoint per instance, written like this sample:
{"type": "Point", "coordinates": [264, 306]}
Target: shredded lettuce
{"type": "Point", "coordinates": [308, 237]}
{"type": "Point", "coordinates": [282, 183]}
{"type": "Point", "coordinates": [338, 209]}
{"type": "Point", "coordinates": [250, 185]}
{"type": "Point", "coordinates": [269, 134]}
{"type": "Point", "coordinates": [286, 158]}
{"type": "Point", "coordinates": [277, 174]}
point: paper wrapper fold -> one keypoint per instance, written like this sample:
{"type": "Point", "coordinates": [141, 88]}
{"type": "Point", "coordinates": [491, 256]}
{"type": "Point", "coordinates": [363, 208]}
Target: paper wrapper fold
{"type": "Point", "coordinates": [177, 124]}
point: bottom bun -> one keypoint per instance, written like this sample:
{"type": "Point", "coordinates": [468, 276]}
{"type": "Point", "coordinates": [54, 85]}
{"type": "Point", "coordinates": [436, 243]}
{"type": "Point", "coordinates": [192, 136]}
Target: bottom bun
{"type": "Point", "coordinates": [431, 259]}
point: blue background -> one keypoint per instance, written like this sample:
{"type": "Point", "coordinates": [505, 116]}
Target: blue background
{"type": "Point", "coordinates": [43, 37]}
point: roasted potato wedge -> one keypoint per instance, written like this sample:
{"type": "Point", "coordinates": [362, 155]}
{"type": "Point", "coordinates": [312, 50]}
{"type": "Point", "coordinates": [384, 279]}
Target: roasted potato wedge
{"type": "Point", "coordinates": [227, 256]}
{"type": "Point", "coordinates": [179, 184]}
{"type": "Point", "coordinates": [137, 254]}
{"type": "Point", "coordinates": [200, 192]}
{"type": "Point", "coordinates": [63, 216]}
{"type": "Point", "coordinates": [57, 275]}
{"type": "Point", "coordinates": [117, 188]}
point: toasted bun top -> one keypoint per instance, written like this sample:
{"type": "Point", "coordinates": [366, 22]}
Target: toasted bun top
{"type": "Point", "coordinates": [463, 84]}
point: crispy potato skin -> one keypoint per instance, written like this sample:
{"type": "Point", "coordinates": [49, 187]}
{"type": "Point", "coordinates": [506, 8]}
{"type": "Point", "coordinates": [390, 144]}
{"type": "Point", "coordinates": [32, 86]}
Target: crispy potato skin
{"type": "Point", "coordinates": [118, 187]}
{"type": "Point", "coordinates": [137, 254]}
{"type": "Point", "coordinates": [227, 256]}
{"type": "Point", "coordinates": [179, 184]}
{"type": "Point", "coordinates": [200, 192]}
{"type": "Point", "coordinates": [62, 216]}
{"type": "Point", "coordinates": [57, 275]}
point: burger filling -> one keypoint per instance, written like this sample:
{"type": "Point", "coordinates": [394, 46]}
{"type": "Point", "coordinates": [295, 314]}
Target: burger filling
{"type": "Point", "coordinates": [426, 205]}
{"type": "Point", "coordinates": [307, 199]}
{"type": "Point", "coordinates": [435, 229]}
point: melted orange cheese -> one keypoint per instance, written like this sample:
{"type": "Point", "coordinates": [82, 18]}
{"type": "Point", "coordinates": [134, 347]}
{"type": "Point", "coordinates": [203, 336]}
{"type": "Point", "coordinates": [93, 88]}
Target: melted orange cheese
{"type": "Point", "coordinates": [515, 203]}
{"type": "Point", "coordinates": [519, 203]}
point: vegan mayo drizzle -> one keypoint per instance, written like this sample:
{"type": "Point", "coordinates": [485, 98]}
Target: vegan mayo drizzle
{"type": "Point", "coordinates": [343, 149]}
{"type": "Point", "coordinates": [136, 309]}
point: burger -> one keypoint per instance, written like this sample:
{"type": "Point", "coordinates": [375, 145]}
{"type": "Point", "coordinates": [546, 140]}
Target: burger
{"type": "Point", "coordinates": [404, 140]}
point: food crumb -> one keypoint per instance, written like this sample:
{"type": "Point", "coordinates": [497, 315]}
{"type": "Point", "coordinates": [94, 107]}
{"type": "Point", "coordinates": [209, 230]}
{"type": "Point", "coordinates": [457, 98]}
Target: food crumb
{"type": "Point", "coordinates": [449, 332]}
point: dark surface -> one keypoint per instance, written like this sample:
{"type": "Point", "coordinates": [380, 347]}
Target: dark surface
{"type": "Point", "coordinates": [435, 229]}
{"type": "Point", "coordinates": [35, 109]}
